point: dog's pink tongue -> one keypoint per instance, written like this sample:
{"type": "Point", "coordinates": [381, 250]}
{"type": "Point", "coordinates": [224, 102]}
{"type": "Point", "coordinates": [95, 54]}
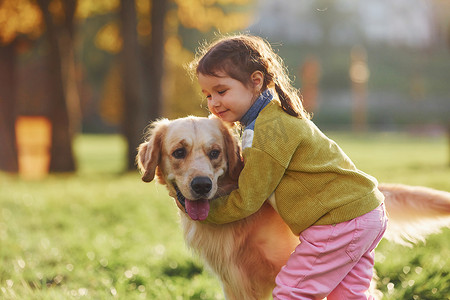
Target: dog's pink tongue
{"type": "Point", "coordinates": [198, 209]}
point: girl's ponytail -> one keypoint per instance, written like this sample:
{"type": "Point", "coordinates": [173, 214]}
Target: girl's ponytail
{"type": "Point", "coordinates": [286, 103]}
{"type": "Point", "coordinates": [290, 98]}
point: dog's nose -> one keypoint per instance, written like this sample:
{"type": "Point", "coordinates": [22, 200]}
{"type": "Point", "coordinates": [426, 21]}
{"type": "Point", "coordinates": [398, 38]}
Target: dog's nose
{"type": "Point", "coordinates": [201, 185]}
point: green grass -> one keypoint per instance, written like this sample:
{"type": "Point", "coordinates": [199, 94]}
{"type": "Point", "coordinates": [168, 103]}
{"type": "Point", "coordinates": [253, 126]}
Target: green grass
{"type": "Point", "coordinates": [101, 234]}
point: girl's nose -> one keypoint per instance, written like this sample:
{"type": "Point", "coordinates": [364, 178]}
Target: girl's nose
{"type": "Point", "coordinates": [214, 102]}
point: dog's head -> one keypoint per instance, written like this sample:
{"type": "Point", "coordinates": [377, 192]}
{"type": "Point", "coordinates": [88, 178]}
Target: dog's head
{"type": "Point", "coordinates": [192, 156]}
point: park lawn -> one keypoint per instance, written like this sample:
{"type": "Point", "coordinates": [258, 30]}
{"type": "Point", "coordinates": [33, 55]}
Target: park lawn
{"type": "Point", "coordinates": [101, 234]}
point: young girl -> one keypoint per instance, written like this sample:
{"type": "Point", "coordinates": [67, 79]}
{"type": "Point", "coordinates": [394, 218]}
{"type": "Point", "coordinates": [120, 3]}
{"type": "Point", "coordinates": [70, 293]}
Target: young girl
{"type": "Point", "coordinates": [335, 208]}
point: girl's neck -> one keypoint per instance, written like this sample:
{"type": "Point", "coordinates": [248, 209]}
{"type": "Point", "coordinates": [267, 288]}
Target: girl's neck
{"type": "Point", "coordinates": [253, 112]}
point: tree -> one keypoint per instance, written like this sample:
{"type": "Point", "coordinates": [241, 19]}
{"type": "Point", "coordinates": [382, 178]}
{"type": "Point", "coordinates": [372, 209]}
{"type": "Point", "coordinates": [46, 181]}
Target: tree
{"type": "Point", "coordinates": [62, 158]}
{"type": "Point", "coordinates": [133, 85]}
{"type": "Point", "coordinates": [25, 17]}
{"type": "Point", "coordinates": [19, 17]}
{"type": "Point", "coordinates": [156, 66]}
{"type": "Point", "coordinates": [8, 151]}
{"type": "Point", "coordinates": [142, 98]}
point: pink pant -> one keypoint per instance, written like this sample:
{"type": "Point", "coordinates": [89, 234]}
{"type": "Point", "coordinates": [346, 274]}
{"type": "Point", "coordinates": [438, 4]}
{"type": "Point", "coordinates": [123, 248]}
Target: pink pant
{"type": "Point", "coordinates": [333, 261]}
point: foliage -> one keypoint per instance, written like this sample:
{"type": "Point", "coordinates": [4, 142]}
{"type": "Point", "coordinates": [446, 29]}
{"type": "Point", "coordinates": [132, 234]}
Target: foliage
{"type": "Point", "coordinates": [101, 234]}
{"type": "Point", "coordinates": [19, 17]}
{"type": "Point", "coordinates": [204, 15]}
{"type": "Point", "coordinates": [97, 40]}
{"type": "Point", "coordinates": [88, 8]}
{"type": "Point", "coordinates": [181, 96]}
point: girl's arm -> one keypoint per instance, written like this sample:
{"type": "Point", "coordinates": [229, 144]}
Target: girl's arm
{"type": "Point", "coordinates": [257, 181]}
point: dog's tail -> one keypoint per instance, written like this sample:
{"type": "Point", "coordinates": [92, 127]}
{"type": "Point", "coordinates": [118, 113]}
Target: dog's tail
{"type": "Point", "coordinates": [414, 212]}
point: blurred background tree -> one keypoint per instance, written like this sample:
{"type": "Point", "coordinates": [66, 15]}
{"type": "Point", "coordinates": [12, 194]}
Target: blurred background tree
{"type": "Point", "coordinates": [112, 66]}
{"type": "Point", "coordinates": [63, 103]}
{"type": "Point", "coordinates": [19, 23]}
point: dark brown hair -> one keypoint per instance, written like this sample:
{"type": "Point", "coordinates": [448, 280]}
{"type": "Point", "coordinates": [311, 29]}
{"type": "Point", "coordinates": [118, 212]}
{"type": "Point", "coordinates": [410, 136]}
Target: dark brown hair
{"type": "Point", "coordinates": [241, 55]}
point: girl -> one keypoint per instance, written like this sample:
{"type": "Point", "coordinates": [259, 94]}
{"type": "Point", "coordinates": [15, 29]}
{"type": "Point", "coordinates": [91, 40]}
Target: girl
{"type": "Point", "coordinates": [335, 208]}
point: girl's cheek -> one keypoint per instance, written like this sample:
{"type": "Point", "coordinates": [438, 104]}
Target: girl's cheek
{"type": "Point", "coordinates": [211, 110]}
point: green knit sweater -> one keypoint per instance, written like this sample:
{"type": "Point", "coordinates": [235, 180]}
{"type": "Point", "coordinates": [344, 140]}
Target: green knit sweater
{"type": "Point", "coordinates": [313, 181]}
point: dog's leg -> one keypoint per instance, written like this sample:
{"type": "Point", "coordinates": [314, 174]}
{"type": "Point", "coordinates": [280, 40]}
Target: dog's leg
{"type": "Point", "coordinates": [228, 292]}
{"type": "Point", "coordinates": [237, 286]}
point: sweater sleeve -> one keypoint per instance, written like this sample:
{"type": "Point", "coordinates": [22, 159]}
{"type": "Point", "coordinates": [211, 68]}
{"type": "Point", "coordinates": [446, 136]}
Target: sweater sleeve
{"type": "Point", "coordinates": [257, 181]}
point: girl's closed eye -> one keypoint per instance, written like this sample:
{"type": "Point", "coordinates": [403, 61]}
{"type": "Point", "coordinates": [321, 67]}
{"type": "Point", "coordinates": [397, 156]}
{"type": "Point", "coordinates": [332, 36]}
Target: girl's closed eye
{"type": "Point", "coordinates": [222, 92]}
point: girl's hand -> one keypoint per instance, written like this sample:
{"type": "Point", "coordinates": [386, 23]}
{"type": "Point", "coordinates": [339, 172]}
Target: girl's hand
{"type": "Point", "coordinates": [225, 189]}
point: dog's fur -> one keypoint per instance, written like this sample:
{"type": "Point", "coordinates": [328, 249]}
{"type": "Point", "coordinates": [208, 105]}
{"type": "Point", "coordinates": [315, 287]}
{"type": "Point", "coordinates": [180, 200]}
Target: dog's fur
{"type": "Point", "coordinates": [242, 254]}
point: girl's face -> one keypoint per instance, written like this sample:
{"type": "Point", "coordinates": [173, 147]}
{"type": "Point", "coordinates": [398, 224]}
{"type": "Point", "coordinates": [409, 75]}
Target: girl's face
{"type": "Point", "coordinates": [228, 98]}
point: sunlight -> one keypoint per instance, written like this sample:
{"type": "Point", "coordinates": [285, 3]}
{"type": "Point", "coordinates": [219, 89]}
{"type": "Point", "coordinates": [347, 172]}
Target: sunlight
{"type": "Point", "coordinates": [19, 17]}
{"type": "Point", "coordinates": [108, 38]}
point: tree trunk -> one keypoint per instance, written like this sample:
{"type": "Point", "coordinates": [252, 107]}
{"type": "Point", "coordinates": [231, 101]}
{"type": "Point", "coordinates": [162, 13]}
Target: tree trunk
{"type": "Point", "coordinates": [70, 77]}
{"type": "Point", "coordinates": [135, 106]}
{"type": "Point", "coordinates": [156, 69]}
{"type": "Point", "coordinates": [62, 159]}
{"type": "Point", "coordinates": [8, 148]}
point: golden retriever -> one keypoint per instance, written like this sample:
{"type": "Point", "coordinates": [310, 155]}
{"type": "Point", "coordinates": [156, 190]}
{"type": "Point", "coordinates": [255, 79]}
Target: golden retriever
{"type": "Point", "coordinates": [199, 158]}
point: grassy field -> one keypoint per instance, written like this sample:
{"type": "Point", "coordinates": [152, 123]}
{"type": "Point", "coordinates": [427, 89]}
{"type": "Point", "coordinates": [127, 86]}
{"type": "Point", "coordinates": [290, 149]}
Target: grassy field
{"type": "Point", "coordinates": [100, 234]}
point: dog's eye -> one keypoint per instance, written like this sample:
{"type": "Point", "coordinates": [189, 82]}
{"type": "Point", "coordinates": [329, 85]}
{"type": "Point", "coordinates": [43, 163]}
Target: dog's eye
{"type": "Point", "coordinates": [179, 153]}
{"type": "Point", "coordinates": [214, 154]}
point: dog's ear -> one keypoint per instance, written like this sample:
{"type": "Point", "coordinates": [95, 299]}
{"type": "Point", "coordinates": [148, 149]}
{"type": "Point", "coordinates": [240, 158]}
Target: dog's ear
{"type": "Point", "coordinates": [149, 152]}
{"type": "Point", "coordinates": [233, 151]}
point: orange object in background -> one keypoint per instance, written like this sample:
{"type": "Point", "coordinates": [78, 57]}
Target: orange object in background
{"type": "Point", "coordinates": [359, 75]}
{"type": "Point", "coordinates": [310, 77]}
{"type": "Point", "coordinates": [33, 134]}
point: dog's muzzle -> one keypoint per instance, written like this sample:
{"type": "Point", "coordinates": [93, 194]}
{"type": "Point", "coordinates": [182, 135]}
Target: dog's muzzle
{"type": "Point", "coordinates": [201, 186]}
{"type": "Point", "coordinates": [198, 208]}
